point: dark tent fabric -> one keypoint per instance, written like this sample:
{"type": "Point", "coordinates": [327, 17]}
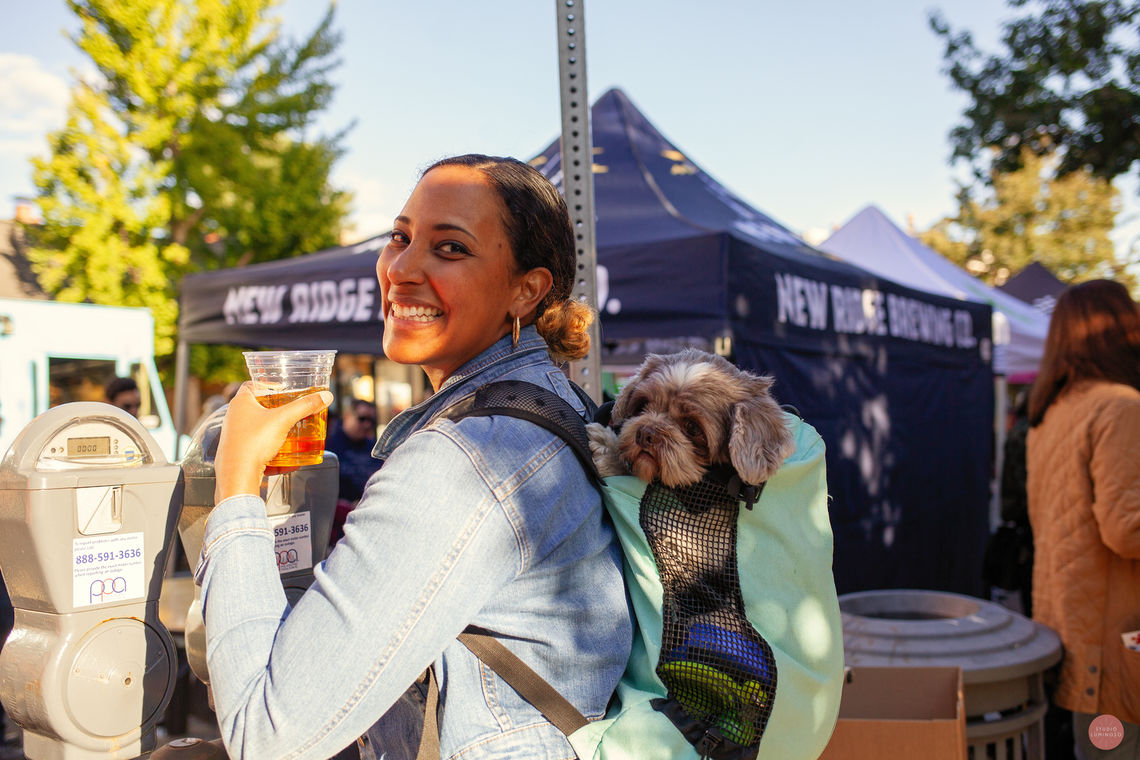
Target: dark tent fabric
{"type": "Point", "coordinates": [897, 381]}
{"type": "Point", "coordinates": [1035, 285]}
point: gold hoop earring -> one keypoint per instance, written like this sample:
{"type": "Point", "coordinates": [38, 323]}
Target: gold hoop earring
{"type": "Point", "coordinates": [515, 333]}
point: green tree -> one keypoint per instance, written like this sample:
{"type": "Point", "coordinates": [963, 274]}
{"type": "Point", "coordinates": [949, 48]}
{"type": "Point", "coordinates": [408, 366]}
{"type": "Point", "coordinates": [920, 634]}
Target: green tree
{"type": "Point", "coordinates": [187, 151]}
{"type": "Point", "coordinates": [1031, 214]}
{"type": "Point", "coordinates": [1067, 82]}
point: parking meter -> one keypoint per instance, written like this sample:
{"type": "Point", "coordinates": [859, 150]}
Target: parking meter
{"type": "Point", "coordinates": [88, 505]}
{"type": "Point", "coordinates": [300, 506]}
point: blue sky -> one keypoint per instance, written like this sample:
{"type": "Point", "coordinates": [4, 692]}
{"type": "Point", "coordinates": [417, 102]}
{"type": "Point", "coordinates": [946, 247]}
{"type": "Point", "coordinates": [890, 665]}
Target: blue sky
{"type": "Point", "coordinates": [808, 110]}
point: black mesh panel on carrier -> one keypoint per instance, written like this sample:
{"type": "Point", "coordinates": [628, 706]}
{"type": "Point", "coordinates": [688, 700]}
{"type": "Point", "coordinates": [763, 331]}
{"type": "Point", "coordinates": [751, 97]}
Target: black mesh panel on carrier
{"type": "Point", "coordinates": [719, 672]}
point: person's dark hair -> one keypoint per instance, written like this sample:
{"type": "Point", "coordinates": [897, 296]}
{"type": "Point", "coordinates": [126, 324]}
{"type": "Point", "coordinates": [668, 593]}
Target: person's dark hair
{"type": "Point", "coordinates": [118, 385]}
{"type": "Point", "coordinates": [356, 405]}
{"type": "Point", "coordinates": [538, 228]}
{"type": "Point", "coordinates": [1094, 334]}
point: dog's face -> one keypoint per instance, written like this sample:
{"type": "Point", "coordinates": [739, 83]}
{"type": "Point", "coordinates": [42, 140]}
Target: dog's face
{"type": "Point", "coordinates": [683, 412]}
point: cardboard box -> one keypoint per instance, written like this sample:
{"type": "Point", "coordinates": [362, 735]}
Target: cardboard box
{"type": "Point", "coordinates": [900, 713]}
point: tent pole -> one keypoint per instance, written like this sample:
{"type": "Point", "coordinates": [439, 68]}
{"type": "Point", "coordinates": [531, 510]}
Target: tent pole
{"type": "Point", "coordinates": [1001, 395]}
{"type": "Point", "coordinates": [578, 176]}
{"type": "Point", "coordinates": [181, 383]}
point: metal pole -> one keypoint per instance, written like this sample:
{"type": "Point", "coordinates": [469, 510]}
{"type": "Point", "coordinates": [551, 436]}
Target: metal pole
{"type": "Point", "coordinates": [1001, 410]}
{"type": "Point", "coordinates": [578, 176]}
{"type": "Point", "coordinates": [181, 388]}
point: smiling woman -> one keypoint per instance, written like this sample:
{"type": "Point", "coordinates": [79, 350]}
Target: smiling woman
{"type": "Point", "coordinates": [482, 521]}
{"type": "Point", "coordinates": [448, 277]}
{"type": "Point", "coordinates": [461, 269]}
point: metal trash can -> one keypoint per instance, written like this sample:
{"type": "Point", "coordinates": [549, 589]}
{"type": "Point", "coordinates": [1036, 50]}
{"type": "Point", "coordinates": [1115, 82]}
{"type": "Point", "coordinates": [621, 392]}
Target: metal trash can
{"type": "Point", "coordinates": [1003, 656]}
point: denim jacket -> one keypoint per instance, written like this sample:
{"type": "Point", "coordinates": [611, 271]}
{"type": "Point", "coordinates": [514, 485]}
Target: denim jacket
{"type": "Point", "coordinates": [489, 521]}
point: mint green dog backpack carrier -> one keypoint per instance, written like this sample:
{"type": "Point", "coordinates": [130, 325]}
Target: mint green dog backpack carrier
{"type": "Point", "coordinates": [738, 648]}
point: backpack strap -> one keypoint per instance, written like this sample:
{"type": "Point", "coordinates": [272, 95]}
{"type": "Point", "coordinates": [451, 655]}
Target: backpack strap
{"type": "Point", "coordinates": [429, 736]}
{"type": "Point", "coordinates": [522, 678]}
{"type": "Point", "coordinates": [533, 403]}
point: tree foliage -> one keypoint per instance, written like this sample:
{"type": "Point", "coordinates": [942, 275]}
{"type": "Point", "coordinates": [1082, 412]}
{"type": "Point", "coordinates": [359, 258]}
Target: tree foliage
{"type": "Point", "coordinates": [1031, 214]}
{"type": "Point", "coordinates": [1067, 83]}
{"type": "Point", "coordinates": [187, 151]}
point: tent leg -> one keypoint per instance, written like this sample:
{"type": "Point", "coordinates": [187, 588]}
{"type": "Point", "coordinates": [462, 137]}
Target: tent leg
{"type": "Point", "coordinates": [1001, 404]}
{"type": "Point", "coordinates": [181, 383]}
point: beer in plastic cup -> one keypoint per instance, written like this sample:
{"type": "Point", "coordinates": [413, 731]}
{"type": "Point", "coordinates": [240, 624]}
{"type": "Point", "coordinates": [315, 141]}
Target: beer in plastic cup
{"type": "Point", "coordinates": [282, 376]}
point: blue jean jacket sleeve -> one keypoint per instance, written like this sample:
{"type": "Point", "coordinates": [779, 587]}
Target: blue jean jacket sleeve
{"type": "Point", "coordinates": [419, 558]}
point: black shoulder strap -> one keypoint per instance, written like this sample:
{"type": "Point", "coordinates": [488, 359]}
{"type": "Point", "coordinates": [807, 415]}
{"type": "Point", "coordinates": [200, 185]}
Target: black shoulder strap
{"type": "Point", "coordinates": [527, 401]}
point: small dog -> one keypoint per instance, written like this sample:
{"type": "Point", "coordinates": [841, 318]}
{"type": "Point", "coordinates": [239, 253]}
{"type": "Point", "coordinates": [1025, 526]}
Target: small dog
{"type": "Point", "coordinates": [682, 413]}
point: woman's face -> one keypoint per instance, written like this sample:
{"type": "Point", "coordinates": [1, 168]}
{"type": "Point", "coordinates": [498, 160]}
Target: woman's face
{"type": "Point", "coordinates": [447, 277]}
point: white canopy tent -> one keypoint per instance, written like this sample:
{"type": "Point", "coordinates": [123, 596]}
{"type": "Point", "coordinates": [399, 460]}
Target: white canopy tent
{"type": "Point", "coordinates": [871, 240]}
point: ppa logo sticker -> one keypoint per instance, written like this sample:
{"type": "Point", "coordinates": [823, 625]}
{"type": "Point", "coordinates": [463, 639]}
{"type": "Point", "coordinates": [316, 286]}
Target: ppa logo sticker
{"type": "Point", "coordinates": [108, 569]}
{"type": "Point", "coordinates": [102, 589]}
{"type": "Point", "coordinates": [292, 541]}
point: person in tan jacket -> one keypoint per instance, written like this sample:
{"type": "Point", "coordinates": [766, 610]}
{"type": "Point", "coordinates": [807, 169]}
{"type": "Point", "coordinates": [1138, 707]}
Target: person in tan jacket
{"type": "Point", "coordinates": [1083, 484]}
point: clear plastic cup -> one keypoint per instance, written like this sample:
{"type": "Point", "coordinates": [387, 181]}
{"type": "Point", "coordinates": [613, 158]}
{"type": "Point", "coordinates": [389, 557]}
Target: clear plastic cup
{"type": "Point", "coordinates": [282, 376]}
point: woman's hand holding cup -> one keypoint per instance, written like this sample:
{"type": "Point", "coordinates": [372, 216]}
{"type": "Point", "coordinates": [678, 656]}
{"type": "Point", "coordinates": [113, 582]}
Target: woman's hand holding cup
{"type": "Point", "coordinates": [252, 435]}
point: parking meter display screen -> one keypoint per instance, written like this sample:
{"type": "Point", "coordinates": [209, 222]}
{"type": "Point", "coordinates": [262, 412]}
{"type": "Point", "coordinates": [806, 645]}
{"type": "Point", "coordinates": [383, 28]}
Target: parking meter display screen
{"type": "Point", "coordinates": [89, 447]}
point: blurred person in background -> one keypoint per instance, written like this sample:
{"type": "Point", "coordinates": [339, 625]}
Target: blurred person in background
{"type": "Point", "coordinates": [1083, 481]}
{"type": "Point", "coordinates": [352, 441]}
{"type": "Point", "coordinates": [217, 401]}
{"type": "Point", "coordinates": [123, 392]}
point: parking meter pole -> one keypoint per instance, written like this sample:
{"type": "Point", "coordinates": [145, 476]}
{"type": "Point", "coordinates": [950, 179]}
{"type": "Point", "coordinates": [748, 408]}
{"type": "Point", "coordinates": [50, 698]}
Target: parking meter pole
{"type": "Point", "coordinates": [578, 177]}
{"type": "Point", "coordinates": [88, 505]}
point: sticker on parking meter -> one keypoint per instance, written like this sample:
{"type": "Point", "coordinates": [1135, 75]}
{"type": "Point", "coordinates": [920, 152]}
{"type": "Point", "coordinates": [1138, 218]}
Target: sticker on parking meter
{"type": "Point", "coordinates": [291, 541]}
{"type": "Point", "coordinates": [107, 569]}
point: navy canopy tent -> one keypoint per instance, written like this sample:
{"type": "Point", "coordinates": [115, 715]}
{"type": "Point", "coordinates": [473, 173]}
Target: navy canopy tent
{"type": "Point", "coordinates": [897, 381]}
{"type": "Point", "coordinates": [1035, 285]}
{"type": "Point", "coordinates": [327, 299]}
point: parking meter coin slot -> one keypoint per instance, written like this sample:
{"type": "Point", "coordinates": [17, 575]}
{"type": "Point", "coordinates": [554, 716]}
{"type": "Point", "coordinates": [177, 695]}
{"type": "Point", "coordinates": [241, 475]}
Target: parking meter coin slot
{"type": "Point", "coordinates": [99, 509]}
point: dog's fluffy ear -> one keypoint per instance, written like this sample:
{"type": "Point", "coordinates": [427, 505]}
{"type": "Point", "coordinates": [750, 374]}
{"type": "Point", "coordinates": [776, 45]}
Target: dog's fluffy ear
{"type": "Point", "coordinates": [651, 364]}
{"type": "Point", "coordinates": [759, 440]}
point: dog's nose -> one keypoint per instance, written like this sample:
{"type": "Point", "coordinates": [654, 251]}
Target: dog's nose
{"type": "Point", "coordinates": [645, 436]}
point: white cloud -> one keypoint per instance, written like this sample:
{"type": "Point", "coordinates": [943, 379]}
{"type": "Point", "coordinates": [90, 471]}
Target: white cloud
{"type": "Point", "coordinates": [20, 146]}
{"type": "Point", "coordinates": [34, 103]}
{"type": "Point", "coordinates": [35, 100]}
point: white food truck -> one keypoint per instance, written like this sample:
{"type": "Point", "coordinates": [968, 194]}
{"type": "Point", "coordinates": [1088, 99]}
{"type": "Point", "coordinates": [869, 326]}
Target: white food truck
{"type": "Point", "coordinates": [53, 352]}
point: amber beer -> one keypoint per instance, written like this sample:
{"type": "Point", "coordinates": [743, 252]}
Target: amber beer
{"type": "Point", "coordinates": [305, 443]}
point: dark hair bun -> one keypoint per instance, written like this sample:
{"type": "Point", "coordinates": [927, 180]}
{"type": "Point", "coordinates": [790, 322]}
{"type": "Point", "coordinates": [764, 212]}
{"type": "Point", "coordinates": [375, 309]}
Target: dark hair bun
{"type": "Point", "coordinates": [565, 326]}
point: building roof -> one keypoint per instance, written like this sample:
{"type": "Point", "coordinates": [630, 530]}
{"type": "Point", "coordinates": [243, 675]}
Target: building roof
{"type": "Point", "coordinates": [16, 277]}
